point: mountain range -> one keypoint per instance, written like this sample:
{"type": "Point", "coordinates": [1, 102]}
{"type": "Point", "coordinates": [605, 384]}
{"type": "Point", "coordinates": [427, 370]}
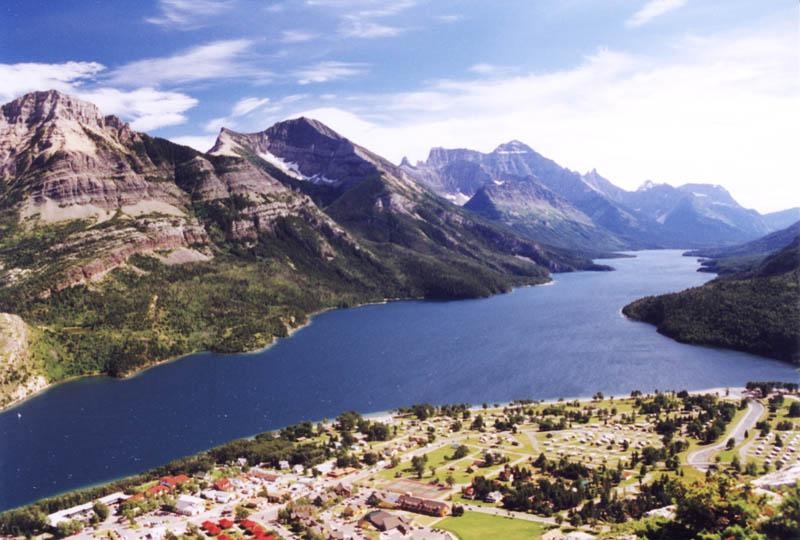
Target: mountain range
{"type": "Point", "coordinates": [538, 198]}
{"type": "Point", "coordinates": [118, 249]}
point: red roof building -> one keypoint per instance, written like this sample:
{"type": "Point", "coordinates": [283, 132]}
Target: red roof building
{"type": "Point", "coordinates": [248, 523]}
{"type": "Point", "coordinates": [210, 528]}
{"type": "Point", "coordinates": [223, 484]}
{"type": "Point", "coordinates": [157, 490]}
{"type": "Point", "coordinates": [173, 481]}
{"type": "Point", "coordinates": [225, 523]}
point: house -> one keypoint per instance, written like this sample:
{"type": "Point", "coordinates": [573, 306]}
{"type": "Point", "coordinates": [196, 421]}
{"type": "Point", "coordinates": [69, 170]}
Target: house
{"type": "Point", "coordinates": [225, 523]}
{"type": "Point", "coordinates": [210, 527]}
{"type": "Point", "coordinates": [155, 491]}
{"type": "Point", "coordinates": [468, 492]}
{"type": "Point", "coordinates": [384, 521]}
{"type": "Point", "coordinates": [283, 465]}
{"type": "Point", "coordinates": [275, 495]}
{"type": "Point", "coordinates": [326, 467]}
{"type": "Point", "coordinates": [298, 469]}
{"type": "Point", "coordinates": [423, 506]}
{"type": "Point", "coordinates": [223, 484]}
{"type": "Point", "coordinates": [264, 475]}
{"type": "Point", "coordinates": [218, 496]}
{"type": "Point", "coordinates": [338, 473]}
{"type": "Point", "coordinates": [172, 482]}
{"type": "Point", "coordinates": [342, 490]}
{"type": "Point", "coordinates": [189, 506]}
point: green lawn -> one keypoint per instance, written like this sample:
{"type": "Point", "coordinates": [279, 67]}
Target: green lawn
{"type": "Point", "coordinates": [477, 526]}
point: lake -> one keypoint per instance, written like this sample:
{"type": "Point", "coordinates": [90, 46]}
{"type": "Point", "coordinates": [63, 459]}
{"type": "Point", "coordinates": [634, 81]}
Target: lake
{"type": "Point", "coordinates": [566, 339]}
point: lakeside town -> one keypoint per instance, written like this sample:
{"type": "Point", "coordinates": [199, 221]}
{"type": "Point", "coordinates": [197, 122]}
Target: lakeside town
{"type": "Point", "coordinates": [608, 467]}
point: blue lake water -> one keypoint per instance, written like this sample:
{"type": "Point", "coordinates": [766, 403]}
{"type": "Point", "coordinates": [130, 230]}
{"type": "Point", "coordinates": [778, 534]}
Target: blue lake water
{"type": "Point", "coordinates": [567, 339]}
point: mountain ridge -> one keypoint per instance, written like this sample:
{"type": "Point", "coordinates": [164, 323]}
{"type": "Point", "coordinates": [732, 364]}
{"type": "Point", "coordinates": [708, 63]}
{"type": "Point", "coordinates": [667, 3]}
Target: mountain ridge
{"type": "Point", "coordinates": [653, 216]}
{"type": "Point", "coordinates": [120, 249]}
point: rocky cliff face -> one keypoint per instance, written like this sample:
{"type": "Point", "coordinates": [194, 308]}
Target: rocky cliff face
{"type": "Point", "coordinates": [65, 160]}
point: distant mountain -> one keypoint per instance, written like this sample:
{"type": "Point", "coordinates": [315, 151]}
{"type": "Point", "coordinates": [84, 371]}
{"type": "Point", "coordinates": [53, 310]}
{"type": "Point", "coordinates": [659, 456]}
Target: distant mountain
{"type": "Point", "coordinates": [730, 259]}
{"type": "Point", "coordinates": [756, 310]}
{"type": "Point", "coordinates": [459, 174]}
{"type": "Point", "coordinates": [535, 211]}
{"type": "Point", "coordinates": [118, 249]}
{"type": "Point", "coordinates": [654, 216]}
{"type": "Point", "coordinates": [782, 219]}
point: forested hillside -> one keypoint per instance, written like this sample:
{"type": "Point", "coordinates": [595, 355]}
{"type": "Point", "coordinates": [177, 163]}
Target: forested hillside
{"type": "Point", "coordinates": [756, 311]}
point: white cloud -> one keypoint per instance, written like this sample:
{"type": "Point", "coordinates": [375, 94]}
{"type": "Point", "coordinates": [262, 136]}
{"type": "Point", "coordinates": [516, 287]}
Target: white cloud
{"type": "Point", "coordinates": [653, 9]}
{"type": "Point", "coordinates": [18, 79]}
{"type": "Point", "coordinates": [247, 105]}
{"type": "Point", "coordinates": [361, 17]}
{"type": "Point", "coordinates": [356, 27]}
{"type": "Point", "coordinates": [215, 60]}
{"type": "Point", "coordinates": [721, 109]}
{"type": "Point", "coordinates": [243, 107]}
{"type": "Point", "coordinates": [188, 14]}
{"type": "Point", "coordinates": [449, 18]}
{"type": "Point", "coordinates": [297, 36]}
{"type": "Point", "coordinates": [490, 69]}
{"type": "Point", "coordinates": [327, 71]}
{"type": "Point", "coordinates": [198, 142]}
{"type": "Point", "coordinates": [144, 108]}
{"type": "Point", "coordinates": [215, 124]}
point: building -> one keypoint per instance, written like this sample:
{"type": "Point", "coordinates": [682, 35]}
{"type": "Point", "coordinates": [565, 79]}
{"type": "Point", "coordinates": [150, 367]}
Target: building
{"type": "Point", "coordinates": [342, 490]}
{"type": "Point", "coordinates": [423, 506]}
{"type": "Point", "coordinates": [83, 512]}
{"type": "Point", "coordinates": [218, 496]}
{"type": "Point", "coordinates": [172, 482]}
{"type": "Point", "coordinates": [189, 506]}
{"type": "Point", "coordinates": [223, 484]}
{"type": "Point", "coordinates": [384, 521]}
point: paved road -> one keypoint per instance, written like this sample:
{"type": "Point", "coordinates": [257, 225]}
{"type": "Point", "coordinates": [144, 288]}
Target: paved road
{"type": "Point", "coordinates": [701, 459]}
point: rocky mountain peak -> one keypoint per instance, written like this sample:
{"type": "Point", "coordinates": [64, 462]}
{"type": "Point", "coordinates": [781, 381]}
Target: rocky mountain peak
{"type": "Point", "coordinates": [647, 185]}
{"type": "Point", "coordinates": [51, 105]}
{"type": "Point", "coordinates": [513, 147]}
{"type": "Point", "coordinates": [302, 132]}
{"type": "Point", "coordinates": [713, 192]}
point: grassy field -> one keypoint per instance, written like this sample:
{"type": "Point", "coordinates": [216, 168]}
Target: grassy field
{"type": "Point", "coordinates": [477, 526]}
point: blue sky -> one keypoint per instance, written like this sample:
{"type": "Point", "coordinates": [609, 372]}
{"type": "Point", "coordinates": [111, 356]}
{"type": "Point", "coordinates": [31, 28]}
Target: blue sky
{"type": "Point", "coordinates": [668, 90]}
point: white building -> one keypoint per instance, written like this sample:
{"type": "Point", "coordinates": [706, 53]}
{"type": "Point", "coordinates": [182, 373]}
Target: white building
{"type": "Point", "coordinates": [83, 512]}
{"type": "Point", "coordinates": [190, 506]}
{"type": "Point", "coordinates": [219, 496]}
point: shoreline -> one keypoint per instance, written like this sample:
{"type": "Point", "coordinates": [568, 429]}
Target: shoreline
{"type": "Point", "coordinates": [291, 330]}
{"type": "Point", "coordinates": [387, 417]}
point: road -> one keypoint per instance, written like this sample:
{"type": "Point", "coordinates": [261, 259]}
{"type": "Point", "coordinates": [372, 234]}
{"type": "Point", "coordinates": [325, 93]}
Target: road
{"type": "Point", "coordinates": [701, 459]}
